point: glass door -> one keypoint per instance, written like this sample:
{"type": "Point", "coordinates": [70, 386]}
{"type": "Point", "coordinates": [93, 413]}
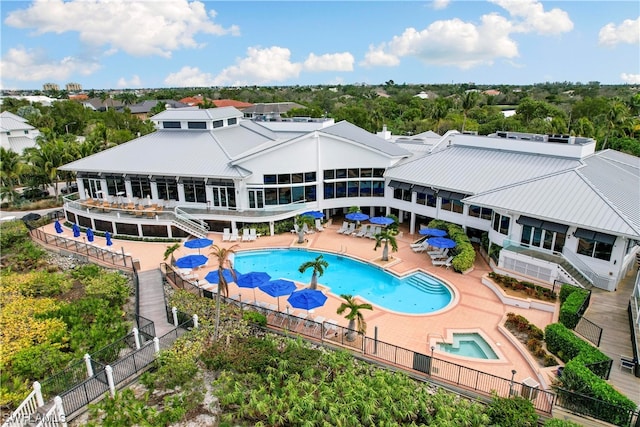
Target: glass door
{"type": "Point", "coordinates": [256, 199]}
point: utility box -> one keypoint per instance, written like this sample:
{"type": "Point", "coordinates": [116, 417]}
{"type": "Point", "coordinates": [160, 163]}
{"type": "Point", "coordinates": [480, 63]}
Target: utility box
{"type": "Point", "coordinates": [529, 388]}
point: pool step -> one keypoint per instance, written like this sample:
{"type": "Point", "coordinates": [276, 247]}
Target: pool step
{"type": "Point", "coordinates": [424, 284]}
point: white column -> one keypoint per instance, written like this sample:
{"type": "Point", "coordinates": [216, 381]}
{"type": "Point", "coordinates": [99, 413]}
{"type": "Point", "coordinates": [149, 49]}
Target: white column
{"type": "Point", "coordinates": [156, 344]}
{"type": "Point", "coordinates": [60, 415]}
{"type": "Point", "coordinates": [175, 316]}
{"type": "Point", "coordinates": [181, 197]}
{"type": "Point", "coordinates": [112, 387]}
{"type": "Point", "coordinates": [136, 337]}
{"type": "Point", "coordinates": [195, 321]}
{"type": "Point", "coordinates": [87, 361]}
{"type": "Point", "coordinates": [38, 389]}
{"type": "Point", "coordinates": [127, 188]}
{"type": "Point", "coordinates": [154, 190]}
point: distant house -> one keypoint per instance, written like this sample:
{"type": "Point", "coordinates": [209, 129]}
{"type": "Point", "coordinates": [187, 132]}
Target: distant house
{"type": "Point", "coordinates": [15, 133]}
{"type": "Point", "coordinates": [270, 111]}
{"type": "Point", "coordinates": [492, 92]}
{"type": "Point", "coordinates": [96, 104]}
{"type": "Point", "coordinates": [142, 109]}
{"type": "Point", "coordinates": [199, 100]}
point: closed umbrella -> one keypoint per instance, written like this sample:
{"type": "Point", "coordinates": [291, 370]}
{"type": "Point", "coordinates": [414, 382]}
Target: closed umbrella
{"type": "Point", "coordinates": [58, 227]}
{"type": "Point", "coordinates": [90, 235]}
{"type": "Point", "coordinates": [252, 280]}
{"type": "Point", "coordinates": [278, 288]}
{"type": "Point", "coordinates": [107, 236]}
{"type": "Point", "coordinates": [314, 214]}
{"type": "Point", "coordinates": [357, 216]}
{"type": "Point", "coordinates": [381, 220]}
{"type": "Point", "coordinates": [441, 242]}
{"type": "Point", "coordinates": [307, 299]}
{"type": "Point", "coordinates": [198, 243]}
{"type": "Point", "coordinates": [434, 232]}
{"type": "Point", "coordinates": [191, 261]}
{"type": "Point", "coordinates": [76, 230]}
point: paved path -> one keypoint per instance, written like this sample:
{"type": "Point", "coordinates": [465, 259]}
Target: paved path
{"type": "Point", "coordinates": [152, 300]}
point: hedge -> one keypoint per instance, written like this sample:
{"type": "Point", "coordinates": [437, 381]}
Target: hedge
{"type": "Point", "coordinates": [465, 254]}
{"type": "Point", "coordinates": [569, 310]}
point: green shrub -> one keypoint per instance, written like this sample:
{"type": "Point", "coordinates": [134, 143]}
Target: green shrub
{"type": "Point", "coordinates": [255, 317]}
{"type": "Point", "coordinates": [562, 342]}
{"type": "Point", "coordinates": [112, 287]}
{"type": "Point", "coordinates": [513, 411]}
{"type": "Point", "coordinates": [556, 422]}
{"type": "Point", "coordinates": [465, 254]}
{"type": "Point", "coordinates": [569, 310]}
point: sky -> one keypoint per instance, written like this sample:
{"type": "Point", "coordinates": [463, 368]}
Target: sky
{"type": "Point", "coordinates": [131, 44]}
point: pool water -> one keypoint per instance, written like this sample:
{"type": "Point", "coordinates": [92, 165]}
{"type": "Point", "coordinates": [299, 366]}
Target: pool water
{"type": "Point", "coordinates": [469, 345]}
{"type": "Point", "coordinates": [418, 293]}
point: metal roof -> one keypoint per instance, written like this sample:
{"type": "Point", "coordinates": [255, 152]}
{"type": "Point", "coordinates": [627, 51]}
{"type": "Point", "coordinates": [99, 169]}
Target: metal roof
{"type": "Point", "coordinates": [472, 170]}
{"type": "Point", "coordinates": [360, 136]}
{"type": "Point", "coordinates": [194, 113]}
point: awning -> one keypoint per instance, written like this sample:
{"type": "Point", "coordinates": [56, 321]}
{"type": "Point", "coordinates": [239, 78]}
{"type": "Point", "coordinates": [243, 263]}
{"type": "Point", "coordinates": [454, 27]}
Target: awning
{"type": "Point", "coordinates": [593, 235]}
{"type": "Point", "coordinates": [424, 190]}
{"type": "Point", "coordinates": [527, 220]}
{"type": "Point", "coordinates": [400, 185]}
{"type": "Point", "coordinates": [554, 226]}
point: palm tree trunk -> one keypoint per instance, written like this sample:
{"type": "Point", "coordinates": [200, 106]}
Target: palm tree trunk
{"type": "Point", "coordinates": [215, 332]}
{"type": "Point", "coordinates": [385, 251]}
{"type": "Point", "coordinates": [314, 280]}
{"type": "Point", "coordinates": [351, 333]}
{"type": "Point", "coordinates": [301, 235]}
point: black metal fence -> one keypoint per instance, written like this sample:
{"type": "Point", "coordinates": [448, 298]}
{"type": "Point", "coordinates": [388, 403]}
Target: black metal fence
{"type": "Point", "coordinates": [589, 330]}
{"type": "Point", "coordinates": [598, 409]}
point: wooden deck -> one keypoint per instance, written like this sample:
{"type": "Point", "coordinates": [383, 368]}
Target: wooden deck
{"type": "Point", "coordinates": [609, 311]}
{"type": "Point", "coordinates": [152, 304]}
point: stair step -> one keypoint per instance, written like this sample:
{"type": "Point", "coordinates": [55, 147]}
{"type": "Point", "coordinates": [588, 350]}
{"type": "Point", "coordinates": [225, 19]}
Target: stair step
{"type": "Point", "coordinates": [426, 285]}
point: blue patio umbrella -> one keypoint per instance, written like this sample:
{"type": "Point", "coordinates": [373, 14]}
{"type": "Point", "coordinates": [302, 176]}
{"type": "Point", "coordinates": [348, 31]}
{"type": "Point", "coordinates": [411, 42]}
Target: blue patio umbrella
{"type": "Point", "coordinates": [252, 280]}
{"type": "Point", "coordinates": [381, 220]}
{"type": "Point", "coordinates": [191, 261]}
{"type": "Point", "coordinates": [441, 242]}
{"type": "Point", "coordinates": [212, 276]}
{"type": "Point", "coordinates": [277, 288]}
{"type": "Point", "coordinates": [198, 243]}
{"type": "Point", "coordinates": [107, 236]}
{"type": "Point", "coordinates": [307, 299]}
{"type": "Point", "coordinates": [314, 214]}
{"type": "Point", "coordinates": [76, 230]}
{"type": "Point", "coordinates": [434, 232]}
{"type": "Point", "coordinates": [90, 235]}
{"type": "Point", "coordinates": [357, 216]}
{"type": "Point", "coordinates": [57, 226]}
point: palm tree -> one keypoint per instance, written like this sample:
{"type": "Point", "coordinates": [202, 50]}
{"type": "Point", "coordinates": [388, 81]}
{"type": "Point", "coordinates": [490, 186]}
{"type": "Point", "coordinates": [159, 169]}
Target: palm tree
{"type": "Point", "coordinates": [355, 317]}
{"type": "Point", "coordinates": [169, 252]}
{"type": "Point", "coordinates": [12, 166]}
{"type": "Point", "coordinates": [223, 256]}
{"type": "Point", "coordinates": [469, 101]}
{"type": "Point", "coordinates": [301, 221]}
{"type": "Point", "coordinates": [318, 265]}
{"type": "Point", "coordinates": [388, 237]}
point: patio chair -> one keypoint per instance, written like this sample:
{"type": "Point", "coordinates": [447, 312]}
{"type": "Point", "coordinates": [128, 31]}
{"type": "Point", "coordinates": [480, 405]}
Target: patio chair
{"type": "Point", "coordinates": [319, 226]}
{"type": "Point", "coordinates": [627, 362]}
{"type": "Point", "coordinates": [234, 235]}
{"type": "Point", "coordinates": [306, 229]}
{"type": "Point", "coordinates": [422, 248]}
{"type": "Point", "coordinates": [441, 262]}
{"type": "Point", "coordinates": [226, 234]}
{"type": "Point", "coordinates": [245, 235]}
{"type": "Point", "coordinates": [350, 229]}
{"type": "Point", "coordinates": [434, 255]}
{"type": "Point", "coordinates": [344, 227]}
{"type": "Point", "coordinates": [363, 230]}
{"type": "Point", "coordinates": [374, 230]}
{"type": "Point", "coordinates": [253, 234]}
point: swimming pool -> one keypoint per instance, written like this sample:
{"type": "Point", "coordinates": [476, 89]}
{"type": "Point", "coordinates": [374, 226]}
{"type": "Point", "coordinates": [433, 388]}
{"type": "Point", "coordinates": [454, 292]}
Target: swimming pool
{"type": "Point", "coordinates": [418, 293]}
{"type": "Point", "coordinates": [469, 345]}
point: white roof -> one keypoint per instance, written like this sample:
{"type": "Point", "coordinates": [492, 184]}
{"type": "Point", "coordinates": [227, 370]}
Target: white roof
{"type": "Point", "coordinates": [360, 136]}
{"type": "Point", "coordinates": [12, 122]}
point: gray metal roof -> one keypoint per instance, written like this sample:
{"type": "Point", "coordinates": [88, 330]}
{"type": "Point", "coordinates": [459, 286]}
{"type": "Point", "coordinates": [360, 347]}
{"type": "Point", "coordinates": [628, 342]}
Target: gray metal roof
{"type": "Point", "coordinates": [472, 170]}
{"type": "Point", "coordinates": [19, 143]}
{"type": "Point", "coordinates": [195, 113]}
{"type": "Point", "coordinates": [360, 136]}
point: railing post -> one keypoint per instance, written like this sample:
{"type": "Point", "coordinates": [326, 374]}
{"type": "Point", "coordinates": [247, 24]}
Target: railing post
{"type": "Point", "coordinates": [136, 337]}
{"type": "Point", "coordinates": [112, 387]}
{"type": "Point", "coordinates": [87, 361]}
{"type": "Point", "coordinates": [38, 389]}
{"type": "Point", "coordinates": [195, 321]}
{"type": "Point", "coordinates": [156, 344]}
{"type": "Point", "coordinates": [60, 417]}
{"type": "Point", "coordinates": [175, 316]}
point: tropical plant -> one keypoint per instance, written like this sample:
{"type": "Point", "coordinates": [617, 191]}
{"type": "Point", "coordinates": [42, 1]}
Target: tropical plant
{"type": "Point", "coordinates": [469, 101]}
{"type": "Point", "coordinates": [389, 238]}
{"type": "Point", "coordinates": [223, 257]}
{"type": "Point", "coordinates": [355, 316]}
{"type": "Point", "coordinates": [318, 265]}
{"type": "Point", "coordinates": [301, 221]}
{"type": "Point", "coordinates": [169, 252]}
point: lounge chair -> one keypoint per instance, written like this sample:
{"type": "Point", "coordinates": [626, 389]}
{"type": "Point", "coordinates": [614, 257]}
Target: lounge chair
{"type": "Point", "coordinates": [440, 262]}
{"type": "Point", "coordinates": [306, 230]}
{"type": "Point", "coordinates": [296, 229]}
{"type": "Point", "coordinates": [245, 235]}
{"type": "Point", "coordinates": [422, 248]}
{"type": "Point", "coordinates": [351, 228]}
{"type": "Point", "coordinates": [226, 234]}
{"type": "Point", "coordinates": [345, 226]}
{"type": "Point", "coordinates": [253, 234]}
{"type": "Point", "coordinates": [319, 226]}
{"type": "Point", "coordinates": [438, 254]}
{"type": "Point", "coordinates": [363, 230]}
{"type": "Point", "coordinates": [373, 231]}
{"type": "Point", "coordinates": [234, 235]}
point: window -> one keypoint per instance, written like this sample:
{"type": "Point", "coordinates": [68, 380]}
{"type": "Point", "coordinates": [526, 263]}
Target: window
{"type": "Point", "coordinates": [309, 177]}
{"type": "Point", "coordinates": [542, 238]}
{"type": "Point", "coordinates": [480, 212]}
{"type": "Point", "coordinates": [270, 179]}
{"type": "Point", "coordinates": [329, 174]}
{"type": "Point", "coordinates": [196, 125]}
{"type": "Point", "coordinates": [501, 223]}
{"type": "Point", "coordinates": [378, 188]}
{"type": "Point", "coordinates": [400, 194]}
{"type": "Point", "coordinates": [115, 184]}
{"type": "Point", "coordinates": [232, 121]}
{"type": "Point", "coordinates": [329, 190]}
{"type": "Point", "coordinates": [365, 188]}
{"type": "Point", "coordinates": [594, 244]}
{"type": "Point", "coordinates": [167, 188]}
{"type": "Point", "coordinates": [171, 125]}
{"type": "Point", "coordinates": [310, 193]}
{"type": "Point", "coordinates": [341, 173]}
{"type": "Point", "coordinates": [297, 178]}
{"type": "Point", "coordinates": [224, 194]}
{"type": "Point", "coordinates": [341, 189]}
{"type": "Point", "coordinates": [218, 124]}
{"type": "Point", "coordinates": [284, 178]}
{"type": "Point", "coordinates": [140, 186]}
{"type": "Point", "coordinates": [378, 173]}
{"type": "Point", "coordinates": [451, 201]}
{"type": "Point", "coordinates": [194, 190]}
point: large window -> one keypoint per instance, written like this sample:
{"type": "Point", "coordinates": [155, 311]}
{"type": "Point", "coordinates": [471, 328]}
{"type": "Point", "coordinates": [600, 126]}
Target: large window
{"type": "Point", "coordinates": [480, 212]}
{"type": "Point", "coordinates": [194, 190]}
{"type": "Point", "coordinates": [171, 125]}
{"type": "Point", "coordinates": [451, 201]}
{"type": "Point", "coordinates": [115, 185]}
{"type": "Point", "coordinates": [224, 194]}
{"type": "Point", "coordinates": [167, 188]}
{"type": "Point", "coordinates": [353, 182]}
{"type": "Point", "coordinates": [542, 234]}
{"type": "Point", "coordinates": [594, 244]}
{"type": "Point", "coordinates": [425, 196]}
{"type": "Point", "coordinates": [140, 186]}
{"type": "Point", "coordinates": [501, 223]}
{"type": "Point", "coordinates": [289, 188]}
{"type": "Point", "coordinates": [401, 190]}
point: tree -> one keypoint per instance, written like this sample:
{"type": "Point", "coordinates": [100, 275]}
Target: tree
{"type": "Point", "coordinates": [224, 259]}
{"type": "Point", "coordinates": [47, 156]}
{"type": "Point", "coordinates": [469, 101]}
{"type": "Point", "coordinates": [301, 221]}
{"type": "Point", "coordinates": [355, 317]}
{"type": "Point", "coordinates": [12, 167]}
{"type": "Point", "coordinates": [169, 252]}
{"type": "Point", "coordinates": [615, 117]}
{"type": "Point", "coordinates": [318, 265]}
{"type": "Point", "coordinates": [388, 237]}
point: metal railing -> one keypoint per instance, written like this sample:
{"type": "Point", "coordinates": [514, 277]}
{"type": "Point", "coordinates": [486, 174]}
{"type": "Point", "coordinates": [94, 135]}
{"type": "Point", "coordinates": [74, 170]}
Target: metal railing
{"type": "Point", "coordinates": [593, 277]}
{"type": "Point", "coordinates": [589, 330]}
{"type": "Point", "coordinates": [595, 408]}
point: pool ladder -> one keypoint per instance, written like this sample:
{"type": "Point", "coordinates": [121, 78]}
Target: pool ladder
{"type": "Point", "coordinates": [343, 249]}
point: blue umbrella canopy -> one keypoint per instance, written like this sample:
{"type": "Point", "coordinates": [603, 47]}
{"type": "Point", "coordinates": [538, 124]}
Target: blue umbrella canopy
{"type": "Point", "coordinates": [76, 230]}
{"type": "Point", "coordinates": [435, 232]}
{"type": "Point", "coordinates": [277, 288]}
{"type": "Point", "coordinates": [107, 236]}
{"type": "Point", "coordinates": [357, 216]}
{"type": "Point", "coordinates": [314, 214]}
{"type": "Point", "coordinates": [191, 261]}
{"type": "Point", "coordinates": [90, 235]}
{"type": "Point", "coordinates": [252, 280]}
{"type": "Point", "coordinates": [58, 227]}
{"type": "Point", "coordinates": [198, 243]}
{"type": "Point", "coordinates": [381, 220]}
{"type": "Point", "coordinates": [441, 242]}
{"type": "Point", "coordinates": [213, 277]}
{"type": "Point", "coordinates": [307, 299]}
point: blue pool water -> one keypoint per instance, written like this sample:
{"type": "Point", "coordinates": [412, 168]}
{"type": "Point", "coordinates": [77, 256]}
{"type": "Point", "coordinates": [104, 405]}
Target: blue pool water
{"type": "Point", "coordinates": [418, 293]}
{"type": "Point", "coordinates": [469, 345]}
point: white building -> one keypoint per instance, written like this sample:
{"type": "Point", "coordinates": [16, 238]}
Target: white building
{"type": "Point", "coordinates": [559, 210]}
{"type": "Point", "coordinates": [15, 133]}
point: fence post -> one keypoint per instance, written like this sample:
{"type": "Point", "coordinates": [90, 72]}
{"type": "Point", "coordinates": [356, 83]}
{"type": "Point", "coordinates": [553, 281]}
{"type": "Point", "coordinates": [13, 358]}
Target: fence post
{"type": "Point", "coordinates": [136, 337]}
{"type": "Point", "coordinates": [156, 344]}
{"type": "Point", "coordinates": [38, 389]}
{"type": "Point", "coordinates": [112, 387]}
{"type": "Point", "coordinates": [87, 361]}
{"type": "Point", "coordinates": [195, 321]}
{"type": "Point", "coordinates": [60, 415]}
{"type": "Point", "coordinates": [175, 316]}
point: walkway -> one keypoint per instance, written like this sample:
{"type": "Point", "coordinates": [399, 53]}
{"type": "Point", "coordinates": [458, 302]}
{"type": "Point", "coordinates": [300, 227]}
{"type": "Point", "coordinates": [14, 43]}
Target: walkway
{"type": "Point", "coordinates": [152, 304]}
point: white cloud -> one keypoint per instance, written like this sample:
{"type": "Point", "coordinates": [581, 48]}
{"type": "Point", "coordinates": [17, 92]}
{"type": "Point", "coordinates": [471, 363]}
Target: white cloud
{"type": "Point", "coordinates": [189, 77]}
{"type": "Point", "coordinates": [33, 65]}
{"type": "Point", "coordinates": [329, 62]}
{"type": "Point", "coordinates": [633, 79]}
{"type": "Point", "coordinates": [134, 82]}
{"type": "Point", "coordinates": [465, 44]}
{"type": "Point", "coordinates": [534, 18]}
{"type": "Point", "coordinates": [627, 32]}
{"type": "Point", "coordinates": [139, 28]}
{"type": "Point", "coordinates": [260, 66]}
{"type": "Point", "coordinates": [440, 4]}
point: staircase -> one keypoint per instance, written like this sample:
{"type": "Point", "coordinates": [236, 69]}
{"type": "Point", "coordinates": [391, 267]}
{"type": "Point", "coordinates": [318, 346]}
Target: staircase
{"type": "Point", "coordinates": [426, 284]}
{"type": "Point", "coordinates": [192, 225]}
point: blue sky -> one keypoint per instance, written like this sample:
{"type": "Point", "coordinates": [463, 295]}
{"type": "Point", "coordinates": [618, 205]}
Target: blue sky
{"type": "Point", "coordinates": [179, 43]}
